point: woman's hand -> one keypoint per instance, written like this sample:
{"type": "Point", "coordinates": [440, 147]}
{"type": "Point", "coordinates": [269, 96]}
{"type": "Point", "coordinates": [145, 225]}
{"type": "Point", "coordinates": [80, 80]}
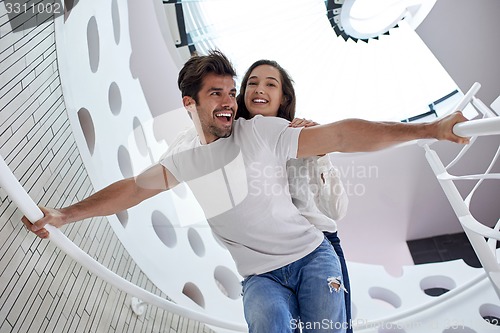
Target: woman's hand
{"type": "Point", "coordinates": [301, 122]}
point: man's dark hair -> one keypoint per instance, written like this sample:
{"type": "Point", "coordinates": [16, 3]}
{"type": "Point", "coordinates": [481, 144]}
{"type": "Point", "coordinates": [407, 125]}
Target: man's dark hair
{"type": "Point", "coordinates": [287, 108]}
{"type": "Point", "coordinates": [197, 67]}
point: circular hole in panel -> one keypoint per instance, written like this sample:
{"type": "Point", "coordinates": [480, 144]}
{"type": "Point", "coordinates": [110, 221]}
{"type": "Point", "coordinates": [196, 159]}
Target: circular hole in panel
{"type": "Point", "coordinates": [115, 17]}
{"type": "Point", "coordinates": [194, 293]}
{"type": "Point", "coordinates": [124, 162]}
{"type": "Point", "coordinates": [114, 98]}
{"type": "Point", "coordinates": [140, 138]}
{"type": "Point", "coordinates": [391, 328]}
{"type": "Point", "coordinates": [196, 242]}
{"type": "Point", "coordinates": [385, 295]}
{"type": "Point", "coordinates": [228, 282]}
{"type": "Point", "coordinates": [93, 44]}
{"type": "Point", "coordinates": [490, 313]}
{"type": "Point", "coordinates": [123, 217]}
{"type": "Point", "coordinates": [164, 229]}
{"type": "Point", "coordinates": [87, 125]}
{"type": "Point", "coordinates": [435, 292]}
{"type": "Point", "coordinates": [437, 285]}
{"type": "Point", "coordinates": [459, 328]}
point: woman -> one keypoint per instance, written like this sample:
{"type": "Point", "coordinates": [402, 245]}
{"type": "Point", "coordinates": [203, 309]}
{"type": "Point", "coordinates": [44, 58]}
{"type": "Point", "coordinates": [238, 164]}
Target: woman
{"type": "Point", "coordinates": [315, 186]}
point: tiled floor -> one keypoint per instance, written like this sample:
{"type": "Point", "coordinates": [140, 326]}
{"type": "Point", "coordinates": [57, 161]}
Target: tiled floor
{"type": "Point", "coordinates": [443, 248]}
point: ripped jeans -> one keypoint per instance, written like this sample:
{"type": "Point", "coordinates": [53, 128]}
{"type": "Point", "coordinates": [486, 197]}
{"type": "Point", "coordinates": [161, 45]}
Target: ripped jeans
{"type": "Point", "coordinates": [298, 295]}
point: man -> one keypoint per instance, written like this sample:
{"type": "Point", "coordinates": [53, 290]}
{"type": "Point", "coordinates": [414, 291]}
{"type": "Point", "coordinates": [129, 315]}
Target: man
{"type": "Point", "coordinates": [236, 170]}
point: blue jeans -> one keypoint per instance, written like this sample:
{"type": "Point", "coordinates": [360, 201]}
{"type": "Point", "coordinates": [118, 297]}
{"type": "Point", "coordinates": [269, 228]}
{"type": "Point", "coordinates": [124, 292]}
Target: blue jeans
{"type": "Point", "coordinates": [335, 240]}
{"type": "Point", "coordinates": [274, 302]}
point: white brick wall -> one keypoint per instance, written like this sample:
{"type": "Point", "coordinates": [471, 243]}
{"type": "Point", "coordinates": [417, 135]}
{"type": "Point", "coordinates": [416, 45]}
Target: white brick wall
{"type": "Point", "coordinates": [41, 289]}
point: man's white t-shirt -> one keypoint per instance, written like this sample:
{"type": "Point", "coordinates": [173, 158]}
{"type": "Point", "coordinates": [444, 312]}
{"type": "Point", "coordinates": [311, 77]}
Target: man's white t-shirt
{"type": "Point", "coordinates": [241, 184]}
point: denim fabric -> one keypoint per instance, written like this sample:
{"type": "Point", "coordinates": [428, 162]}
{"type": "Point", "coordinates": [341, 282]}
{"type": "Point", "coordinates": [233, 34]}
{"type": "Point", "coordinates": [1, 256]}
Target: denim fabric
{"type": "Point", "coordinates": [335, 241]}
{"type": "Point", "coordinates": [275, 301]}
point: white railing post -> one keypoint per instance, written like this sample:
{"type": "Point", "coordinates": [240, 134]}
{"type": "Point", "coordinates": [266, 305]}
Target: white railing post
{"type": "Point", "coordinates": [475, 231]}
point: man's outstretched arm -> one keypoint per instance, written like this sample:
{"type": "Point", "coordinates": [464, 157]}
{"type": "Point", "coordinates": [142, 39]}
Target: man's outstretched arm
{"type": "Point", "coordinates": [110, 200]}
{"type": "Point", "coordinates": [357, 135]}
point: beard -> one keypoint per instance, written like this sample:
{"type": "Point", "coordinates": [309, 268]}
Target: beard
{"type": "Point", "coordinates": [213, 128]}
{"type": "Point", "coordinates": [220, 132]}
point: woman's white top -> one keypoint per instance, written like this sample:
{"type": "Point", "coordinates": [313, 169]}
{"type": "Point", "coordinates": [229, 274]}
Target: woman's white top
{"type": "Point", "coordinates": [317, 191]}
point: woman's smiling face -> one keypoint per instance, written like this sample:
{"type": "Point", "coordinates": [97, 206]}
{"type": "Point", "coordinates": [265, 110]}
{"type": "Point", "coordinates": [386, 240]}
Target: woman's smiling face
{"type": "Point", "coordinates": [264, 92]}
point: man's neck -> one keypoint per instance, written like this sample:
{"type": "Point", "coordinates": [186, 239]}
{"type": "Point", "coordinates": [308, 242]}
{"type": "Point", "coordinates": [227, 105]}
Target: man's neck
{"type": "Point", "coordinates": [204, 137]}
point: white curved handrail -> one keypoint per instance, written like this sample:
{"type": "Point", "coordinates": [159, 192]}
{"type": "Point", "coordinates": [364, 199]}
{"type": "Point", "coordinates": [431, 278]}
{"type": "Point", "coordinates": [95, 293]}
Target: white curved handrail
{"type": "Point", "coordinates": [71, 249]}
{"type": "Point", "coordinates": [23, 201]}
{"type": "Point", "coordinates": [407, 314]}
{"type": "Point", "coordinates": [480, 176]}
{"type": "Point", "coordinates": [479, 127]}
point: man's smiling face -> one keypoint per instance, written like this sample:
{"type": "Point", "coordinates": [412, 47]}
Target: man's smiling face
{"type": "Point", "coordinates": [216, 106]}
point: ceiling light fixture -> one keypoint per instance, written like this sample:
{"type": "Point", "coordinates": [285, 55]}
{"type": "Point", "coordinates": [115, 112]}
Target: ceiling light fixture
{"type": "Point", "coordinates": [368, 19]}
